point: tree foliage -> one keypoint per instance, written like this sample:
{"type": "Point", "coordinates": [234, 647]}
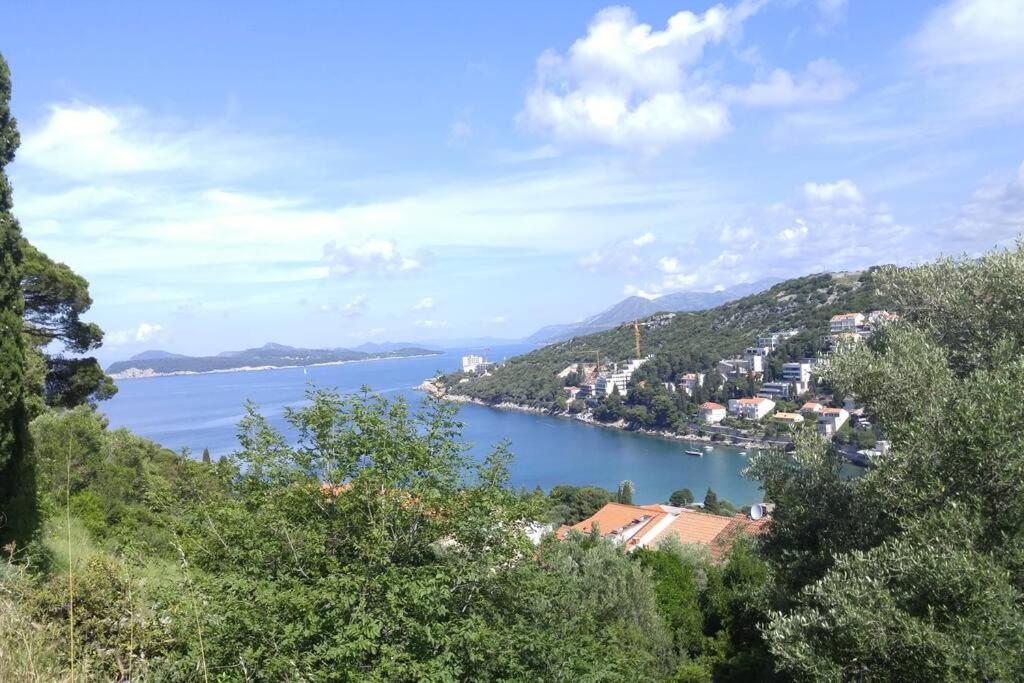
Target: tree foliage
{"type": "Point", "coordinates": [15, 469]}
{"type": "Point", "coordinates": [914, 571]}
{"type": "Point", "coordinates": [55, 299]}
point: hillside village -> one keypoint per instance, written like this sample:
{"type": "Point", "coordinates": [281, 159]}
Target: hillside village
{"type": "Point", "coordinates": [747, 399]}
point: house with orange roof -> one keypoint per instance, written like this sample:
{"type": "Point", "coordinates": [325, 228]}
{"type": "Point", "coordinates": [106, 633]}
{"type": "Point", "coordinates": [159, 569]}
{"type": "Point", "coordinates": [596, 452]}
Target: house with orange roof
{"type": "Point", "coordinates": [711, 413]}
{"type": "Point", "coordinates": [623, 524]}
{"type": "Point", "coordinates": [811, 407]}
{"type": "Point", "coordinates": [647, 526]}
{"type": "Point", "coordinates": [846, 322]}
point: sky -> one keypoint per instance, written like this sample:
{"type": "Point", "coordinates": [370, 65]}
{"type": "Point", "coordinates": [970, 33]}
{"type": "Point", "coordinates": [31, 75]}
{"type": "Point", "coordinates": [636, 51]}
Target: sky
{"type": "Point", "coordinates": [325, 174]}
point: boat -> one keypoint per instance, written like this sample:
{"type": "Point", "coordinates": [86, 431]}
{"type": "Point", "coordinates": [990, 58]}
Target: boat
{"type": "Point", "coordinates": [695, 452]}
{"type": "Point", "coordinates": [743, 453]}
{"type": "Point", "coordinates": [709, 447]}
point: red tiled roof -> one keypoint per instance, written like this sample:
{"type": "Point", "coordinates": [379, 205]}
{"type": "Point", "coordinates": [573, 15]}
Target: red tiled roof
{"type": "Point", "coordinates": [615, 516]}
{"type": "Point", "coordinates": [710, 405]}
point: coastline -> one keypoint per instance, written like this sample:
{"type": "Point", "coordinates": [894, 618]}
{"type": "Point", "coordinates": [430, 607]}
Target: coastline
{"type": "Point", "coordinates": [147, 373]}
{"type": "Point", "coordinates": [429, 387]}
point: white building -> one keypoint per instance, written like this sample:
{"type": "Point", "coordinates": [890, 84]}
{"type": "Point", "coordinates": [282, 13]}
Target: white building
{"type": "Point", "coordinates": [797, 372]}
{"type": "Point", "coordinates": [751, 408]}
{"type": "Point", "coordinates": [618, 379]}
{"type": "Point", "coordinates": [846, 322]}
{"type": "Point", "coordinates": [770, 341]}
{"type": "Point", "coordinates": [472, 363]}
{"type": "Point", "coordinates": [690, 381]}
{"type": "Point", "coordinates": [711, 413]}
{"type": "Point", "coordinates": [831, 420]}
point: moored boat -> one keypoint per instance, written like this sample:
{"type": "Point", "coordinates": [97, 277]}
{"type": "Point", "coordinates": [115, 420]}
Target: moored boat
{"type": "Point", "coordinates": [694, 452]}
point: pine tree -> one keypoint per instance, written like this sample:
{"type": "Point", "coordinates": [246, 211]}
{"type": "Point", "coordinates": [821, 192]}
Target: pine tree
{"type": "Point", "coordinates": [14, 490]}
{"type": "Point", "coordinates": [625, 493]}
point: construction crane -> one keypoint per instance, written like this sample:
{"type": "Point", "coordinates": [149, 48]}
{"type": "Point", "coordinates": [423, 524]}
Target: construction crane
{"type": "Point", "coordinates": [636, 336]}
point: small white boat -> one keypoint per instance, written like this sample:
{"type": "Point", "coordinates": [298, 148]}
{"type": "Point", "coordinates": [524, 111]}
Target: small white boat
{"type": "Point", "coordinates": [695, 453]}
{"type": "Point", "coordinates": [709, 447]}
{"type": "Point", "coordinates": [743, 453]}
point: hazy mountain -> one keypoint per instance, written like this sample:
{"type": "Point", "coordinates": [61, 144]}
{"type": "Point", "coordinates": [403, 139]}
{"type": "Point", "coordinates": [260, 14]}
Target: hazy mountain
{"type": "Point", "coordinates": [268, 355]}
{"type": "Point", "coordinates": [153, 354]}
{"type": "Point", "coordinates": [384, 347]}
{"type": "Point", "coordinates": [634, 307]}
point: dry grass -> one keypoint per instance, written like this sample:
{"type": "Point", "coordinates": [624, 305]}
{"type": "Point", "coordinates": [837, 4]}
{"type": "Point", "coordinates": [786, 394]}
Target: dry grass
{"type": "Point", "coordinates": [29, 651]}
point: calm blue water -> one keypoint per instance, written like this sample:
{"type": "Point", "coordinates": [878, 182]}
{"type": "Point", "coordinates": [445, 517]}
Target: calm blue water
{"type": "Point", "coordinates": [197, 411]}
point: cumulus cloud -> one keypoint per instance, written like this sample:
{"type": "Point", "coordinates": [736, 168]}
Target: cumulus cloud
{"type": "Point", "coordinates": [822, 81]}
{"type": "Point", "coordinates": [644, 239]}
{"type": "Point", "coordinates": [627, 84]}
{"type": "Point", "coordinates": [840, 192]}
{"type": "Point", "coordinates": [142, 333]}
{"type": "Point", "coordinates": [824, 226]}
{"type": "Point", "coordinates": [424, 304]}
{"type": "Point", "coordinates": [497, 320]}
{"type": "Point", "coordinates": [373, 256]}
{"type": "Point", "coordinates": [972, 32]}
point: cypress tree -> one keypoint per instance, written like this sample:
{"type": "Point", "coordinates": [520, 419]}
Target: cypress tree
{"type": "Point", "coordinates": [16, 487]}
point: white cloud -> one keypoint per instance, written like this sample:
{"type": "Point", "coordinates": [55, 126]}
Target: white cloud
{"type": "Point", "coordinates": [626, 84]}
{"type": "Point", "coordinates": [840, 192]}
{"type": "Point", "coordinates": [354, 308]}
{"type": "Point", "coordinates": [424, 304]}
{"type": "Point", "coordinates": [993, 216]}
{"type": "Point", "coordinates": [669, 264]}
{"type": "Point", "coordinates": [972, 32]}
{"type": "Point", "coordinates": [143, 333]}
{"type": "Point", "coordinates": [825, 226]}
{"type": "Point", "coordinates": [822, 81]}
{"type": "Point", "coordinates": [431, 324]}
{"type": "Point", "coordinates": [497, 320]}
{"type": "Point", "coordinates": [373, 256]}
{"type": "Point", "coordinates": [84, 141]}
{"type": "Point", "coordinates": [644, 239]}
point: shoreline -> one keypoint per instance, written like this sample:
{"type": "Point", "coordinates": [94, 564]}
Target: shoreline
{"type": "Point", "coordinates": [145, 374]}
{"type": "Point", "coordinates": [429, 387]}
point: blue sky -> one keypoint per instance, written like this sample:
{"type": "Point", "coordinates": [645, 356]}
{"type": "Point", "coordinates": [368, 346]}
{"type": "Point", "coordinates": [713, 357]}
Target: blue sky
{"type": "Point", "coordinates": [325, 174]}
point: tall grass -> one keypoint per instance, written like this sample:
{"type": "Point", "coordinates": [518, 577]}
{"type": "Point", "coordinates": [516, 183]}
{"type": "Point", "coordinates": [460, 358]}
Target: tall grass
{"type": "Point", "coordinates": [29, 651]}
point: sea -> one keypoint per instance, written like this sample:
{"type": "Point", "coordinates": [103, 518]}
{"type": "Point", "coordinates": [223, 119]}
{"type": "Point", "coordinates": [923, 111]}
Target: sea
{"type": "Point", "coordinates": [202, 411]}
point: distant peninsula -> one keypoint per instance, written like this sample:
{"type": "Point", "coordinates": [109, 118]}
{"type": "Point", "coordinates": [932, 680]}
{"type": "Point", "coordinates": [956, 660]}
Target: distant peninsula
{"type": "Point", "coordinates": [157, 363]}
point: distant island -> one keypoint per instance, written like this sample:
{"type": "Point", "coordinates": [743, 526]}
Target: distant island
{"type": "Point", "coordinates": [156, 363]}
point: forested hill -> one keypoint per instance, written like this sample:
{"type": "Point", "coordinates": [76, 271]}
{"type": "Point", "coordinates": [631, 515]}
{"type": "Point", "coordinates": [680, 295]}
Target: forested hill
{"type": "Point", "coordinates": [689, 341]}
{"type": "Point", "coordinates": [268, 355]}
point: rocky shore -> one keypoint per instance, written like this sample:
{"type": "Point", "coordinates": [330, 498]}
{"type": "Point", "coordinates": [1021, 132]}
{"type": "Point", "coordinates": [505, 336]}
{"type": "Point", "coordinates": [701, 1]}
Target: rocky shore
{"type": "Point", "coordinates": [429, 386]}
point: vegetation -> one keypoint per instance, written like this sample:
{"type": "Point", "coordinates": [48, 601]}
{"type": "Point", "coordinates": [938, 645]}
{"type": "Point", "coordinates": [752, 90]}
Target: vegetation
{"type": "Point", "coordinates": [373, 547]}
{"type": "Point", "coordinates": [268, 355]}
{"type": "Point", "coordinates": [914, 571]}
{"type": "Point", "coordinates": [689, 342]}
{"type": "Point", "coordinates": [15, 469]}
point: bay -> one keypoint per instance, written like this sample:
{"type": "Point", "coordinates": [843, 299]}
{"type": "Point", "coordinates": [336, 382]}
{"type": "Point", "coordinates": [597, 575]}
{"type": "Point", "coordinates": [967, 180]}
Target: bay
{"type": "Point", "coordinates": [202, 411]}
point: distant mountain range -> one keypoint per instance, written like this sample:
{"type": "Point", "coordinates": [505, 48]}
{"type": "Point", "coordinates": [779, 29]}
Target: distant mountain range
{"type": "Point", "coordinates": [636, 307]}
{"type": "Point", "coordinates": [157, 362]}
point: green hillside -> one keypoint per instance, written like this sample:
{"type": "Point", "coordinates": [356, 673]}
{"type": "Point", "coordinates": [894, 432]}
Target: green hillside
{"type": "Point", "coordinates": [686, 342]}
